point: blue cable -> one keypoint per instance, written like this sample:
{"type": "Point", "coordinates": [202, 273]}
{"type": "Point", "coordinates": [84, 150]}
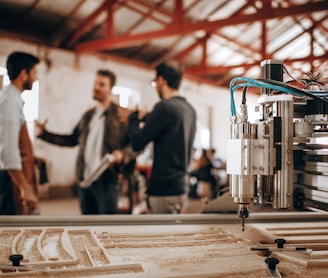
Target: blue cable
{"type": "Point", "coordinates": [249, 82]}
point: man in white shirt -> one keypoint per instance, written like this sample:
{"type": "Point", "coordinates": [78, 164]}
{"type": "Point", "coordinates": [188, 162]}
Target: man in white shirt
{"type": "Point", "coordinates": [17, 193]}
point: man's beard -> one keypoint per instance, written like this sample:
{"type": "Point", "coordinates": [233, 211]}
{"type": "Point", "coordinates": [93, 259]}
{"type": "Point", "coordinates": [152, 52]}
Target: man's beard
{"type": "Point", "coordinates": [160, 94]}
{"type": "Point", "coordinates": [96, 97]}
{"type": "Point", "coordinates": [28, 85]}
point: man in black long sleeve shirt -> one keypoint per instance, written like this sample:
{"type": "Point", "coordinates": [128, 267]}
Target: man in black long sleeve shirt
{"type": "Point", "coordinates": [171, 127]}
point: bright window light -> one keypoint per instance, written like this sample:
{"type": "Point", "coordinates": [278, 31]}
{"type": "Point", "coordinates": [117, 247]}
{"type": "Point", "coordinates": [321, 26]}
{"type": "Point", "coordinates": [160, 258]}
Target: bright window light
{"type": "Point", "coordinates": [3, 71]}
{"type": "Point", "coordinates": [128, 98]}
{"type": "Point", "coordinates": [6, 80]}
{"type": "Point", "coordinates": [202, 136]}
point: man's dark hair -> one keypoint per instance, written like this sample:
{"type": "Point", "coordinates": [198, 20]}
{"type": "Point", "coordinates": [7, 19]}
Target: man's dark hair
{"type": "Point", "coordinates": [18, 61]}
{"type": "Point", "coordinates": [110, 75]}
{"type": "Point", "coordinates": [171, 71]}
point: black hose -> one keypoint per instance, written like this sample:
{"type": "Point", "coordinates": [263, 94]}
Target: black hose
{"type": "Point", "coordinates": [295, 89]}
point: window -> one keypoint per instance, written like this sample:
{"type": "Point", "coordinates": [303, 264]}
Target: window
{"type": "Point", "coordinates": [127, 97]}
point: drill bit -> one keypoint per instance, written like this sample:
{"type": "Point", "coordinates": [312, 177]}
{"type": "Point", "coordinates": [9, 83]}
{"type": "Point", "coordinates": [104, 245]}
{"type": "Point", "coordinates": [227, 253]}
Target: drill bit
{"type": "Point", "coordinates": [243, 213]}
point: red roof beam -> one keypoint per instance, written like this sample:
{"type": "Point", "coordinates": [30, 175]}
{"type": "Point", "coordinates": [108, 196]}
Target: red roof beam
{"type": "Point", "coordinates": [110, 19]}
{"type": "Point", "coordinates": [128, 40]}
{"type": "Point", "coordinates": [148, 14]}
{"type": "Point", "coordinates": [68, 42]}
{"type": "Point", "coordinates": [180, 56]}
{"type": "Point", "coordinates": [314, 24]}
{"type": "Point", "coordinates": [223, 69]}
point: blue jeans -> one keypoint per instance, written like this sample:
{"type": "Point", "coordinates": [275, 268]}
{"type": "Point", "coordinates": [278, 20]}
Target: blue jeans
{"type": "Point", "coordinates": [100, 198]}
{"type": "Point", "coordinates": [7, 205]}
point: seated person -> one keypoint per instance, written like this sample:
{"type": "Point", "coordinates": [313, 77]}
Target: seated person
{"type": "Point", "coordinates": [203, 173]}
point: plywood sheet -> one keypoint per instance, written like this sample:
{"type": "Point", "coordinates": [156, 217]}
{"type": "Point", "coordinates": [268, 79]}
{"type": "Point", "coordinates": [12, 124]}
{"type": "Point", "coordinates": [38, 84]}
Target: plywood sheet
{"type": "Point", "coordinates": [152, 251]}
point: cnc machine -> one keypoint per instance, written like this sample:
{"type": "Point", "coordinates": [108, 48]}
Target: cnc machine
{"type": "Point", "coordinates": [277, 159]}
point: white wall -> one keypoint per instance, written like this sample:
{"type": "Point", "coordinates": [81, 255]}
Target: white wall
{"type": "Point", "coordinates": [66, 92]}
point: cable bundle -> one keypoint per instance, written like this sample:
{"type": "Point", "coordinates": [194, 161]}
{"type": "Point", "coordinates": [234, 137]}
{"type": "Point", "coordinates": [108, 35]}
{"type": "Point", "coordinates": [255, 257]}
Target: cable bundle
{"type": "Point", "coordinates": [278, 86]}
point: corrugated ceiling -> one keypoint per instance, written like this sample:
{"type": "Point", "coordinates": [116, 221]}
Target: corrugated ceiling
{"type": "Point", "coordinates": [215, 39]}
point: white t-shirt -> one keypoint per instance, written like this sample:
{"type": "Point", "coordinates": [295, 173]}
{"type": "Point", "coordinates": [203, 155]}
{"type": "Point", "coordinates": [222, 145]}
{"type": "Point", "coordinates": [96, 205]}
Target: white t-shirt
{"type": "Point", "coordinates": [11, 121]}
{"type": "Point", "coordinates": [94, 144]}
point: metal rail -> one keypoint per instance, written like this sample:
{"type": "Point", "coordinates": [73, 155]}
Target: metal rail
{"type": "Point", "coordinates": [104, 220]}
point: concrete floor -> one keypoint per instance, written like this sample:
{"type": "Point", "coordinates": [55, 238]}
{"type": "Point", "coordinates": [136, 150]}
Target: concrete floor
{"type": "Point", "coordinates": [70, 206]}
{"type": "Point", "coordinates": [60, 206]}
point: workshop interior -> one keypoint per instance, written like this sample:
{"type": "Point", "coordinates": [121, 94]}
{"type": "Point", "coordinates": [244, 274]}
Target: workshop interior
{"type": "Point", "coordinates": [261, 95]}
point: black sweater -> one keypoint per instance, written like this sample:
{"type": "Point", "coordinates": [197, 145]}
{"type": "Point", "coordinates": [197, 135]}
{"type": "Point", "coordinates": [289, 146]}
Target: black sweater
{"type": "Point", "coordinates": [171, 126]}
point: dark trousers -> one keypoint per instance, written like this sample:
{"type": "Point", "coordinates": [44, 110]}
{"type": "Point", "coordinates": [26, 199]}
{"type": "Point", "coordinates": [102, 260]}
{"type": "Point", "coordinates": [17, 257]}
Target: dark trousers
{"type": "Point", "coordinates": [99, 198]}
{"type": "Point", "coordinates": [7, 204]}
